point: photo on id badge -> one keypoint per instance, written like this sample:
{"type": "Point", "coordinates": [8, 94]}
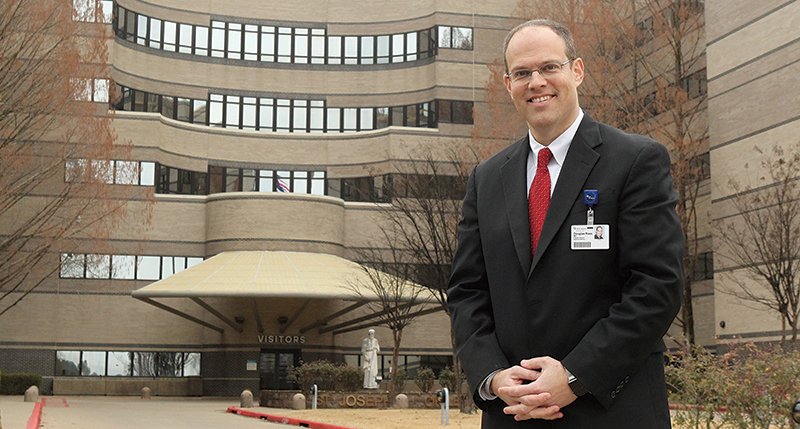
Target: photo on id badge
{"type": "Point", "coordinates": [590, 237]}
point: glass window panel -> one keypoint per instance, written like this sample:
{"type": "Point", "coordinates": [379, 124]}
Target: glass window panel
{"type": "Point", "coordinates": [170, 35]}
{"type": "Point", "coordinates": [299, 120]}
{"type": "Point", "coordinates": [147, 267]}
{"type": "Point", "coordinates": [282, 121]}
{"type": "Point", "coordinates": [144, 364]}
{"type": "Point", "coordinates": [248, 180]}
{"type": "Point", "coordinates": [148, 177]}
{"type": "Point", "coordinates": [184, 109]}
{"type": "Point", "coordinates": [411, 115]}
{"type": "Point", "coordinates": [68, 363]}
{"type": "Point", "coordinates": [151, 104]}
{"type": "Point", "coordinates": [191, 364]}
{"type": "Point", "coordinates": [334, 115]}
{"type": "Point", "coordinates": [234, 43]}
{"type": "Point", "coordinates": [316, 118]}
{"type": "Point", "coordinates": [462, 38]}
{"type": "Point", "coordinates": [169, 364]}
{"type": "Point", "coordinates": [215, 114]}
{"type": "Point", "coordinates": [424, 114]}
{"type": "Point", "coordinates": [107, 11]}
{"type": "Point", "coordinates": [74, 169]}
{"type": "Point", "coordinates": [423, 41]}
{"type": "Point", "coordinates": [168, 264]}
{"type": "Point", "coordinates": [367, 49]}
{"type": "Point", "coordinates": [232, 180]}
{"type": "Point", "coordinates": [93, 363]}
{"type": "Point", "coordinates": [155, 33]}
{"type": "Point", "coordinates": [100, 90]}
{"type": "Point", "coordinates": [201, 40]}
{"type": "Point", "coordinates": [72, 265]}
{"type": "Point", "coordinates": [398, 44]}
{"type": "Point", "coordinates": [300, 184]}
{"type": "Point", "coordinates": [103, 170]}
{"type": "Point", "coordinates": [411, 43]}
{"type": "Point", "coordinates": [366, 118]}
{"type": "Point", "coordinates": [131, 18]}
{"type": "Point", "coordinates": [383, 49]}
{"type": "Point", "coordinates": [350, 118]}
{"type": "Point", "coordinates": [265, 117]}
{"type": "Point", "coordinates": [301, 46]}
{"type": "Point", "coordinates": [381, 117]}
{"type": "Point", "coordinates": [119, 364]}
{"type": "Point", "coordinates": [141, 29]}
{"type": "Point", "coordinates": [232, 112]}
{"type": "Point", "coordinates": [123, 267]}
{"type": "Point", "coordinates": [397, 115]}
{"type": "Point", "coordinates": [249, 116]}
{"type": "Point", "coordinates": [284, 48]}
{"type": "Point", "coordinates": [217, 42]}
{"type": "Point", "coordinates": [318, 47]}
{"type": "Point", "coordinates": [168, 106]}
{"type": "Point", "coordinates": [267, 44]}
{"type": "Point", "coordinates": [318, 186]}
{"type": "Point", "coordinates": [351, 50]}
{"type": "Point", "coordinates": [444, 36]}
{"type": "Point", "coordinates": [251, 45]}
{"type": "Point", "coordinates": [126, 172]}
{"type": "Point", "coordinates": [199, 111]}
{"type": "Point", "coordinates": [334, 49]}
{"type": "Point", "coordinates": [192, 261]}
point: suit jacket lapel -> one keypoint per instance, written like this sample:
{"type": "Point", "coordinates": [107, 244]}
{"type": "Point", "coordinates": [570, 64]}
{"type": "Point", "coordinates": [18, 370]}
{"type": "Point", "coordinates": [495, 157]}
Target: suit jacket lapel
{"type": "Point", "coordinates": [579, 162]}
{"type": "Point", "coordinates": [513, 174]}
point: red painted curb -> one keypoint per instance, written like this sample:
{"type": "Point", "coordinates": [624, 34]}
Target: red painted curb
{"type": "Point", "coordinates": [285, 420]}
{"type": "Point", "coordinates": [36, 417]}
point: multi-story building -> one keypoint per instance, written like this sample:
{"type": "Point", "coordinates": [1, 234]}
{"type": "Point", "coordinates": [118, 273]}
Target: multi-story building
{"type": "Point", "coordinates": [271, 134]}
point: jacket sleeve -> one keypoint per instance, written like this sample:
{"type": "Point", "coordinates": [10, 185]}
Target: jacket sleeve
{"type": "Point", "coordinates": [650, 244]}
{"type": "Point", "coordinates": [469, 302]}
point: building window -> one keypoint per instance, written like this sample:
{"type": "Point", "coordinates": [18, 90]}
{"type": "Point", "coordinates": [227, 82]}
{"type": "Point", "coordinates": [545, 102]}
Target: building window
{"type": "Point", "coordinates": [127, 364]}
{"type": "Point", "coordinates": [292, 115]}
{"type": "Point", "coordinates": [92, 10]}
{"type": "Point", "coordinates": [455, 37]}
{"type": "Point", "coordinates": [695, 84]}
{"type": "Point", "coordinates": [455, 112]}
{"type": "Point", "coordinates": [86, 89]}
{"type": "Point", "coordinates": [117, 172]}
{"type": "Point", "coordinates": [704, 267]}
{"type": "Point", "coordinates": [123, 267]}
{"type": "Point", "coordinates": [279, 44]}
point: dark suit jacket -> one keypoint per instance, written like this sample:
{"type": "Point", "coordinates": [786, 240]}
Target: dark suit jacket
{"type": "Point", "coordinates": [603, 313]}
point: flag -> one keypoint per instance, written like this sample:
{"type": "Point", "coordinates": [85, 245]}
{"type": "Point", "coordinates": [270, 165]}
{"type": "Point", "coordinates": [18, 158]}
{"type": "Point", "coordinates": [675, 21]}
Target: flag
{"type": "Point", "coordinates": [280, 185]}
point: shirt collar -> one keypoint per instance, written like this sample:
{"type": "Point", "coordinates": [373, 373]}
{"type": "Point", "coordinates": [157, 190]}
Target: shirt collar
{"type": "Point", "coordinates": [560, 145]}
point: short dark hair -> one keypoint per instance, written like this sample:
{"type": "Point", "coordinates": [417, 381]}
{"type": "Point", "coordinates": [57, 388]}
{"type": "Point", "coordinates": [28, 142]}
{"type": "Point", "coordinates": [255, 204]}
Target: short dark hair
{"type": "Point", "coordinates": [557, 28]}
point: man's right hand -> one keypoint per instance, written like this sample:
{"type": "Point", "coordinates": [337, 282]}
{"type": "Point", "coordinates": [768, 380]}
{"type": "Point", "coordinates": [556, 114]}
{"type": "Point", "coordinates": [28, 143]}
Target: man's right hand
{"type": "Point", "coordinates": [536, 403]}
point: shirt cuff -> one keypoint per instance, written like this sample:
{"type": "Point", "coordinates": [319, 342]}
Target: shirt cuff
{"type": "Point", "coordinates": [485, 389]}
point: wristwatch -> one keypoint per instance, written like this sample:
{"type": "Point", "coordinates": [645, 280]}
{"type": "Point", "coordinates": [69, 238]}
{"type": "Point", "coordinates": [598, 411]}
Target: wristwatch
{"type": "Point", "coordinates": [577, 387]}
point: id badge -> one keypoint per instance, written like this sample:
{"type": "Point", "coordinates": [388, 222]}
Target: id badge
{"type": "Point", "coordinates": [590, 237]}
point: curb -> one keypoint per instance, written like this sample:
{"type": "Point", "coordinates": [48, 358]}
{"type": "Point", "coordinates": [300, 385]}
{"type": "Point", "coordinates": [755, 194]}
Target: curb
{"type": "Point", "coordinates": [280, 419]}
{"type": "Point", "coordinates": [36, 417]}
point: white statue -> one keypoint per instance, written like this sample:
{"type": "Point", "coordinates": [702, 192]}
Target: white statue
{"type": "Point", "coordinates": [369, 352]}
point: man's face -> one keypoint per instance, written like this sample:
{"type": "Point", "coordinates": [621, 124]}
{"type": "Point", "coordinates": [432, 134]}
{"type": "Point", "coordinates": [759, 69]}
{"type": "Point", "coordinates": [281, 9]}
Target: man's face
{"type": "Point", "coordinates": [550, 103]}
{"type": "Point", "coordinates": [599, 231]}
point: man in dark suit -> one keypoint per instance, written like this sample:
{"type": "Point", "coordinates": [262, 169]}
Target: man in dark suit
{"type": "Point", "coordinates": [555, 329]}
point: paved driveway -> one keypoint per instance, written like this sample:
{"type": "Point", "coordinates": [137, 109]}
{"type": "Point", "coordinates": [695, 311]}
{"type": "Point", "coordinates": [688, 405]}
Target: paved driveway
{"type": "Point", "coordinates": [94, 412]}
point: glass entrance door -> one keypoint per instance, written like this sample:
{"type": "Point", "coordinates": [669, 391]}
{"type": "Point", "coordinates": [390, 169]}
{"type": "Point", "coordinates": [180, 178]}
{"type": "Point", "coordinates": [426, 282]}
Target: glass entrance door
{"type": "Point", "coordinates": [275, 366]}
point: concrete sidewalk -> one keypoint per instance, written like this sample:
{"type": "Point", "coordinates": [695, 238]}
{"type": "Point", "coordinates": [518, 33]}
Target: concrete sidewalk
{"type": "Point", "coordinates": [14, 413]}
{"type": "Point", "coordinates": [92, 412]}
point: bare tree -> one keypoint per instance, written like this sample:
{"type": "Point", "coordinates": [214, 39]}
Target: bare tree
{"type": "Point", "coordinates": [57, 153]}
{"type": "Point", "coordinates": [763, 239]}
{"type": "Point", "coordinates": [391, 295]}
{"type": "Point", "coordinates": [644, 62]}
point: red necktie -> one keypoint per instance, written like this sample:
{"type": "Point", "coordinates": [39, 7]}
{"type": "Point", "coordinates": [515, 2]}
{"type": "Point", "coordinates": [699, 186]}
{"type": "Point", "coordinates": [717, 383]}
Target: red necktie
{"type": "Point", "coordinates": [539, 197]}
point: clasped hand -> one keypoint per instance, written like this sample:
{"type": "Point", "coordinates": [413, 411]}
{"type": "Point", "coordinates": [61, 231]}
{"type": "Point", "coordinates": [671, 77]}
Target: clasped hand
{"type": "Point", "coordinates": [535, 389]}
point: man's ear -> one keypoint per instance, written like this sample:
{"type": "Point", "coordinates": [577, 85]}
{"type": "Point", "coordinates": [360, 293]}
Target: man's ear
{"type": "Point", "coordinates": [577, 70]}
{"type": "Point", "coordinates": [507, 82]}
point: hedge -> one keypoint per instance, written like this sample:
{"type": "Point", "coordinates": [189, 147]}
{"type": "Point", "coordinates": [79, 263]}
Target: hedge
{"type": "Point", "coordinates": [17, 384]}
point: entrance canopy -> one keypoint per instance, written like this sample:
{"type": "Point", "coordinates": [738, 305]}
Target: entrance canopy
{"type": "Point", "coordinates": [264, 274]}
{"type": "Point", "coordinates": [274, 274]}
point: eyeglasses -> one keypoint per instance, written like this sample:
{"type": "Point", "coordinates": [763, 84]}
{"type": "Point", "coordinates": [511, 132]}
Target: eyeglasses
{"type": "Point", "coordinates": [525, 75]}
